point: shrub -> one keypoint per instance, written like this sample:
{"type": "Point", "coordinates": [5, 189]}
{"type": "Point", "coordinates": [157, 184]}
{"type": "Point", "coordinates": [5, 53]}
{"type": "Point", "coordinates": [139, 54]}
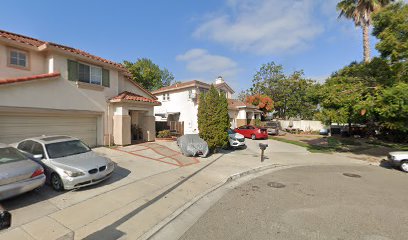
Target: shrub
{"type": "Point", "coordinates": [213, 119]}
{"type": "Point", "coordinates": [258, 122]}
{"type": "Point", "coordinates": [164, 134]}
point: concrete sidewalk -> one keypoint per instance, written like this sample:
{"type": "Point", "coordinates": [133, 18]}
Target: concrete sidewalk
{"type": "Point", "coordinates": [138, 207]}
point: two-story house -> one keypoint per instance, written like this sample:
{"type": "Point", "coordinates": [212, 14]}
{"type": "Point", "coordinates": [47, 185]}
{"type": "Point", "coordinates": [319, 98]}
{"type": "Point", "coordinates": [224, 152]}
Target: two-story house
{"type": "Point", "coordinates": [179, 105]}
{"type": "Point", "coordinates": [51, 89]}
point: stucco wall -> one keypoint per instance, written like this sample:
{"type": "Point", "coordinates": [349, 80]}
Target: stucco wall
{"type": "Point", "coordinates": [179, 102]}
{"type": "Point", "coordinates": [125, 85]}
{"type": "Point", "coordinates": [60, 93]}
{"type": "Point", "coordinates": [37, 64]}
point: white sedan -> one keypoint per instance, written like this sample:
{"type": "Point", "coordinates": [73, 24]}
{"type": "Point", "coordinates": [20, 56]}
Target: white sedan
{"type": "Point", "coordinates": [399, 159]}
{"type": "Point", "coordinates": [235, 139]}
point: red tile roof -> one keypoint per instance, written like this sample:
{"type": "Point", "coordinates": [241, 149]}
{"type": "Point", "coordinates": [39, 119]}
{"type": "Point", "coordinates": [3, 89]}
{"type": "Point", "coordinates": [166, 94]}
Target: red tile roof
{"type": "Point", "coordinates": [190, 84]}
{"type": "Point", "coordinates": [29, 78]}
{"type": "Point", "coordinates": [181, 85]}
{"type": "Point", "coordinates": [129, 96]}
{"type": "Point", "coordinates": [234, 104]}
{"type": "Point", "coordinates": [37, 43]}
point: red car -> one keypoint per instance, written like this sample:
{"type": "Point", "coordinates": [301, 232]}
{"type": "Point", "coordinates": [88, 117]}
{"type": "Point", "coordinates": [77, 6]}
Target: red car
{"type": "Point", "coordinates": [252, 132]}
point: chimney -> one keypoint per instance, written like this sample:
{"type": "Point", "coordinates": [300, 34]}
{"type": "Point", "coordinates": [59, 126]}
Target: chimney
{"type": "Point", "coordinates": [219, 80]}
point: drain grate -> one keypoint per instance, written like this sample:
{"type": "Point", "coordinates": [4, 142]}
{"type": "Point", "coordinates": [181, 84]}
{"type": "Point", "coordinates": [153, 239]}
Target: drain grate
{"type": "Point", "coordinates": [353, 175]}
{"type": "Point", "coordinates": [276, 185]}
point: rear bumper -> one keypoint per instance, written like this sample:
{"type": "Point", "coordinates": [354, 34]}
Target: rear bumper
{"type": "Point", "coordinates": [261, 135]}
{"type": "Point", "coordinates": [14, 189]}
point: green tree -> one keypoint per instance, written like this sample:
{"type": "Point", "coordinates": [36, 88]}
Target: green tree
{"type": "Point", "coordinates": [360, 12]}
{"type": "Point", "coordinates": [213, 119]}
{"type": "Point", "coordinates": [290, 94]}
{"type": "Point", "coordinates": [339, 99]}
{"type": "Point", "coordinates": [149, 74]}
{"type": "Point", "coordinates": [266, 80]}
{"type": "Point", "coordinates": [391, 28]}
{"type": "Point", "coordinates": [392, 107]}
{"type": "Point", "coordinates": [202, 116]}
{"type": "Point", "coordinates": [166, 77]}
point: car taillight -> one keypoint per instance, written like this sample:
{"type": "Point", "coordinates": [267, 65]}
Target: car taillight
{"type": "Point", "coordinates": [37, 172]}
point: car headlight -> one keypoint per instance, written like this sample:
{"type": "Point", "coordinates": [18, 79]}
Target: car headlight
{"type": "Point", "coordinates": [73, 174]}
{"type": "Point", "coordinates": [111, 164]}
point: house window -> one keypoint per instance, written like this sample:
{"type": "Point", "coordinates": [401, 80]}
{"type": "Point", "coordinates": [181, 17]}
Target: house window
{"type": "Point", "coordinates": [164, 97]}
{"type": "Point", "coordinates": [96, 75]}
{"type": "Point", "coordinates": [18, 58]}
{"type": "Point", "coordinates": [190, 93]}
{"type": "Point", "coordinates": [168, 96]}
{"type": "Point", "coordinates": [89, 74]}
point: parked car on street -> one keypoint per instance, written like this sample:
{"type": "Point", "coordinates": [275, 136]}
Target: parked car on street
{"type": "Point", "coordinates": [252, 132]}
{"type": "Point", "coordinates": [272, 128]}
{"type": "Point", "coordinates": [18, 174]}
{"type": "Point", "coordinates": [192, 145]}
{"type": "Point", "coordinates": [235, 139]}
{"type": "Point", "coordinates": [68, 162]}
{"type": "Point", "coordinates": [399, 159]}
{"type": "Point", "coordinates": [324, 131]}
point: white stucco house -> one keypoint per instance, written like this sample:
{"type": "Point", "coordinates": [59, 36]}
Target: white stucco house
{"type": "Point", "coordinates": [51, 89]}
{"type": "Point", "coordinates": [179, 106]}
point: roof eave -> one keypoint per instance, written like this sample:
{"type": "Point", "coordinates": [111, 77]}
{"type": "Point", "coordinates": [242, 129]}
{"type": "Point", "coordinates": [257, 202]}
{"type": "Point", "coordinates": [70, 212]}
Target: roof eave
{"type": "Point", "coordinates": [132, 101]}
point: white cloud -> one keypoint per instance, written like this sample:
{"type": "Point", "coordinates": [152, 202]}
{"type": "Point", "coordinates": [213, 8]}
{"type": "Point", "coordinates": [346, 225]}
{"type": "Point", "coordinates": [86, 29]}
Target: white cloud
{"type": "Point", "coordinates": [201, 62]}
{"type": "Point", "coordinates": [264, 26]}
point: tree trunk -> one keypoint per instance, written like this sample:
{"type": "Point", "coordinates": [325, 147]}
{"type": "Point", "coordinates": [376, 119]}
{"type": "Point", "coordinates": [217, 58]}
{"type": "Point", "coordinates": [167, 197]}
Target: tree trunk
{"type": "Point", "coordinates": [366, 42]}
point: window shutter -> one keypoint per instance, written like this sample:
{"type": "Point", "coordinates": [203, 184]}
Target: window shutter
{"type": "Point", "coordinates": [72, 70]}
{"type": "Point", "coordinates": [105, 78]}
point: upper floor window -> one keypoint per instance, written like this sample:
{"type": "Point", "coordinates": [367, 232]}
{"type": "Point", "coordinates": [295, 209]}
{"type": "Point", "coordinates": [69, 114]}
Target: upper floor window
{"type": "Point", "coordinates": [88, 73]}
{"type": "Point", "coordinates": [166, 96]}
{"type": "Point", "coordinates": [18, 58]}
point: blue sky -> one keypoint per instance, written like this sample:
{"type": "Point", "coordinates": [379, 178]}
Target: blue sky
{"type": "Point", "coordinates": [198, 39]}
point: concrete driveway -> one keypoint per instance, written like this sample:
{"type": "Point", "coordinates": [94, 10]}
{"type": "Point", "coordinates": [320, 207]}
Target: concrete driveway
{"type": "Point", "coordinates": [37, 208]}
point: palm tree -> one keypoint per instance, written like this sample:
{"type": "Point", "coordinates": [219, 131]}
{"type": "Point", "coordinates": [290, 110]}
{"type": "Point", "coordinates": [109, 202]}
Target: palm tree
{"type": "Point", "coordinates": [360, 12]}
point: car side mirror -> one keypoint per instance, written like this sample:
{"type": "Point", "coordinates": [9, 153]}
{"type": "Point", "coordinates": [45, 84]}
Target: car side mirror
{"type": "Point", "coordinates": [5, 220]}
{"type": "Point", "coordinates": [38, 156]}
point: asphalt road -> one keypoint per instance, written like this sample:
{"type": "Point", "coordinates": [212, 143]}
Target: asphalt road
{"type": "Point", "coordinates": [316, 202]}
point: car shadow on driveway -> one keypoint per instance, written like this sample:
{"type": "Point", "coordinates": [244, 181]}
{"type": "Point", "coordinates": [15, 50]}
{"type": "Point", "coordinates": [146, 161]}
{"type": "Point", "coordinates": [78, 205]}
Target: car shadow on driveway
{"type": "Point", "coordinates": [46, 192]}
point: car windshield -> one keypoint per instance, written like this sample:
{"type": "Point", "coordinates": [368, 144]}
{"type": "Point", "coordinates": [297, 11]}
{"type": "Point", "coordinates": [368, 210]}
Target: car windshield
{"type": "Point", "coordinates": [230, 131]}
{"type": "Point", "coordinates": [10, 154]}
{"type": "Point", "coordinates": [64, 149]}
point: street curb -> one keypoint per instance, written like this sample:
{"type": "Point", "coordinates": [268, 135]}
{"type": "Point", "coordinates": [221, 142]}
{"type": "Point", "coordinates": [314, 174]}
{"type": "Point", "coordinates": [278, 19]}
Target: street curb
{"type": "Point", "coordinates": [175, 214]}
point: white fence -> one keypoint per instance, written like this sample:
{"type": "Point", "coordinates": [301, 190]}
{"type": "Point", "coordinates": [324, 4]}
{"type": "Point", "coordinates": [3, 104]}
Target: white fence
{"type": "Point", "coordinates": [305, 125]}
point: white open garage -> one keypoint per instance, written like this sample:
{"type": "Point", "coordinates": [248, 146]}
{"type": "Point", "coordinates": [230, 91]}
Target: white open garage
{"type": "Point", "coordinates": [17, 126]}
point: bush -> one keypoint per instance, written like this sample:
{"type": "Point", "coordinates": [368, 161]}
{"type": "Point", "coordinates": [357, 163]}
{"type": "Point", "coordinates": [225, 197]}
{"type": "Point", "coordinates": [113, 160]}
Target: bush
{"type": "Point", "coordinates": [164, 134]}
{"type": "Point", "coordinates": [258, 122]}
{"type": "Point", "coordinates": [213, 119]}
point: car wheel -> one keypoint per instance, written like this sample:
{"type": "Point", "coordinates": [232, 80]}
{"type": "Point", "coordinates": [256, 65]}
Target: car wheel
{"type": "Point", "coordinates": [404, 166]}
{"type": "Point", "coordinates": [253, 137]}
{"type": "Point", "coordinates": [56, 182]}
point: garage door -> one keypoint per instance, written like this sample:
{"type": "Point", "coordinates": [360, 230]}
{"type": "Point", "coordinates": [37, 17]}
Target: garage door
{"type": "Point", "coordinates": [14, 128]}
